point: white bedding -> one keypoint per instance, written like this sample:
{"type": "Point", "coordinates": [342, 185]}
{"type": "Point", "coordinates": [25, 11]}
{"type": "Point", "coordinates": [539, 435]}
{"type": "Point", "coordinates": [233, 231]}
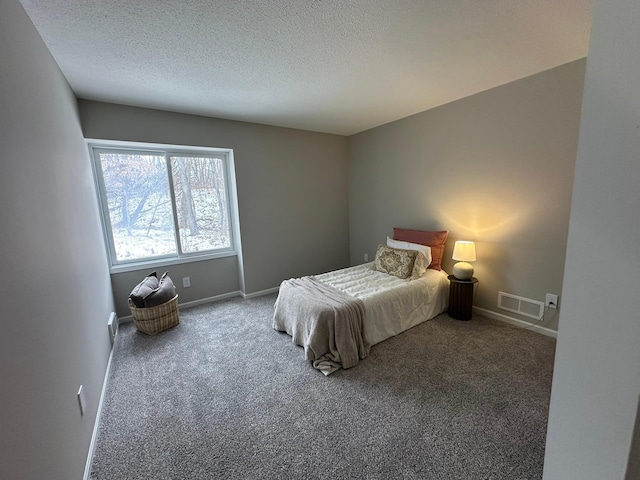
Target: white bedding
{"type": "Point", "coordinates": [392, 305]}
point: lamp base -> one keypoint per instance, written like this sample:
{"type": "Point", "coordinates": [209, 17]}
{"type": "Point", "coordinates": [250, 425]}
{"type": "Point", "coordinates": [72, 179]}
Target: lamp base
{"type": "Point", "coordinates": [463, 271]}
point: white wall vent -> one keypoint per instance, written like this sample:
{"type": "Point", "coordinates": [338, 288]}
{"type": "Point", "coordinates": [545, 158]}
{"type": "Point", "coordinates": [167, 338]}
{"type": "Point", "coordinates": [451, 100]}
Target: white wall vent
{"type": "Point", "coordinates": [112, 325]}
{"type": "Point", "coordinates": [520, 305]}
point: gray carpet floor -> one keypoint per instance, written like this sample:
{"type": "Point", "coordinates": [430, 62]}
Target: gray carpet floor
{"type": "Point", "coordinates": [223, 395]}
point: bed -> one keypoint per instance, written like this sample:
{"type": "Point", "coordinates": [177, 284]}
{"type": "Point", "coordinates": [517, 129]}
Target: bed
{"type": "Point", "coordinates": [337, 316]}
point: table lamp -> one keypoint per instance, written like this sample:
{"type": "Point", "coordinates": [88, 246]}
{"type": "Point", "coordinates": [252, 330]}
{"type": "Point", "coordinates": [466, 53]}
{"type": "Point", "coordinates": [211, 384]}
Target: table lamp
{"type": "Point", "coordinates": [464, 252]}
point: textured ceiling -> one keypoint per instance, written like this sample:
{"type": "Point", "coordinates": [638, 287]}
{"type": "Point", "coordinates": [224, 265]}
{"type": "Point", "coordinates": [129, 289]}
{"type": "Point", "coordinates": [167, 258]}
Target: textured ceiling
{"type": "Point", "coordinates": [330, 66]}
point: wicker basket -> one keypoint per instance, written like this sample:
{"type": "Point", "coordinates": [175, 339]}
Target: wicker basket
{"type": "Point", "coordinates": [154, 320]}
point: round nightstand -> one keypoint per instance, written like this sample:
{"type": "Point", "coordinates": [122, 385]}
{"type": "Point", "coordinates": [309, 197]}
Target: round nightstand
{"type": "Point", "coordinates": [461, 297]}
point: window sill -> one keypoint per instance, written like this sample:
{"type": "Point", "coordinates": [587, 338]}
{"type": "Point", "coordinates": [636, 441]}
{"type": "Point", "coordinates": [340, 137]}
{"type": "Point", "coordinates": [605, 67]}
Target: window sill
{"type": "Point", "coordinates": [165, 262]}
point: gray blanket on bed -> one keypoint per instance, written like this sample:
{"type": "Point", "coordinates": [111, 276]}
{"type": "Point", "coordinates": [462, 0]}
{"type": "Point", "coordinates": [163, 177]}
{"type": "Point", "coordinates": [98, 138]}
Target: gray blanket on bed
{"type": "Point", "coordinates": [325, 321]}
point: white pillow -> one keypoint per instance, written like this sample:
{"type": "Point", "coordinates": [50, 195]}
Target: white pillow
{"type": "Point", "coordinates": [420, 267]}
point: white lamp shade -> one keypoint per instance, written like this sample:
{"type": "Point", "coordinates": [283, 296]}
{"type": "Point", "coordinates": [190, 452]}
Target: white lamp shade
{"type": "Point", "coordinates": [464, 251]}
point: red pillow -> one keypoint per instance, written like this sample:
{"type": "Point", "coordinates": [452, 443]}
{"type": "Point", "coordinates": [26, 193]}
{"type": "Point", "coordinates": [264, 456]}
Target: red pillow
{"type": "Point", "coordinates": [435, 240]}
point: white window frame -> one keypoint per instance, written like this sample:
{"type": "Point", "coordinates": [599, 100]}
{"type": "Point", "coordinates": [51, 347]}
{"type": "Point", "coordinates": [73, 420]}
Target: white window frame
{"type": "Point", "coordinates": [95, 146]}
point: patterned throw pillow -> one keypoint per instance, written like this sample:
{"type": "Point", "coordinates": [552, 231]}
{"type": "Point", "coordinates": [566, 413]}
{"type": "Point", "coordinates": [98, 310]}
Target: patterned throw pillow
{"type": "Point", "coordinates": [394, 261]}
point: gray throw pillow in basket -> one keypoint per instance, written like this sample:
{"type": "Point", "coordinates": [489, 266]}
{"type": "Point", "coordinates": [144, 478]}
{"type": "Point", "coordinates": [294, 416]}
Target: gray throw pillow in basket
{"type": "Point", "coordinates": [143, 290]}
{"type": "Point", "coordinates": [166, 291]}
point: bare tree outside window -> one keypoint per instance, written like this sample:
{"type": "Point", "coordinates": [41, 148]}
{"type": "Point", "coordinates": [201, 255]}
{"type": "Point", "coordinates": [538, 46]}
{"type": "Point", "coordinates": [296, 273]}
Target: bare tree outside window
{"type": "Point", "coordinates": [142, 190]}
{"type": "Point", "coordinates": [137, 191]}
{"type": "Point", "coordinates": [199, 186]}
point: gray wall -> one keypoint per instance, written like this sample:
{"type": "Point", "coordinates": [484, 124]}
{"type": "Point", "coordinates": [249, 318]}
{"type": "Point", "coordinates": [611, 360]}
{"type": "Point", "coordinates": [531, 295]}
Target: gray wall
{"type": "Point", "coordinates": [596, 383]}
{"type": "Point", "coordinates": [496, 168]}
{"type": "Point", "coordinates": [55, 289]}
{"type": "Point", "coordinates": [209, 278]}
{"type": "Point", "coordinates": [292, 193]}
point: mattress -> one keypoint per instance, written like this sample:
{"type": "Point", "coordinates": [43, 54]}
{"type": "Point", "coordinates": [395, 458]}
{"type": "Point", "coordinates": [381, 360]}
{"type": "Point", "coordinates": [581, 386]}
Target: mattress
{"type": "Point", "coordinates": [392, 305]}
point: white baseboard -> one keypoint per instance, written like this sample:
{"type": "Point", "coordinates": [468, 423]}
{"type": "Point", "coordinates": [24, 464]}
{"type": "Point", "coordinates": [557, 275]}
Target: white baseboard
{"type": "Point", "coordinates": [194, 303]}
{"type": "Point", "coordinates": [261, 293]}
{"type": "Point", "coordinates": [514, 321]}
{"type": "Point", "coordinates": [215, 298]}
{"type": "Point", "coordinates": [96, 425]}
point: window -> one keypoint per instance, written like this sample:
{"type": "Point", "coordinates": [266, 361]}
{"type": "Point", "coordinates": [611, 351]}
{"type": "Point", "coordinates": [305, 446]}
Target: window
{"type": "Point", "coordinates": [161, 204]}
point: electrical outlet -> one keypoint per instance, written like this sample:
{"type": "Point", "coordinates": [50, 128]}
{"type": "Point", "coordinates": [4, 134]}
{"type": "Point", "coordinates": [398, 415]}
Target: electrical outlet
{"type": "Point", "coordinates": [186, 282]}
{"type": "Point", "coordinates": [551, 300]}
{"type": "Point", "coordinates": [366, 257]}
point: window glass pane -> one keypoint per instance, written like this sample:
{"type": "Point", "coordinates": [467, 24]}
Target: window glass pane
{"type": "Point", "coordinates": [139, 204]}
{"type": "Point", "coordinates": [201, 203]}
